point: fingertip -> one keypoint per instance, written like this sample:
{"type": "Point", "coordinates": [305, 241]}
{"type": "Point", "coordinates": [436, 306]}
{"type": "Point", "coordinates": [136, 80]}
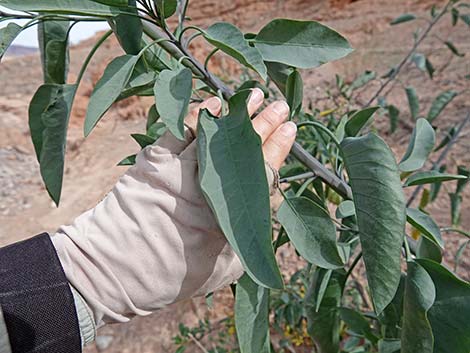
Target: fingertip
{"type": "Point", "coordinates": [213, 104]}
{"type": "Point", "coordinates": [257, 96]}
{"type": "Point", "coordinates": [289, 129]}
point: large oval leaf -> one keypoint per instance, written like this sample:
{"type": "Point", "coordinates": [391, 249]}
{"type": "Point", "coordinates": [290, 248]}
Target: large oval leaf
{"type": "Point", "coordinates": [82, 7]}
{"type": "Point", "coordinates": [109, 87]}
{"type": "Point", "coordinates": [451, 310]}
{"type": "Point", "coordinates": [231, 41]}
{"type": "Point", "coordinates": [311, 230]}
{"type": "Point", "coordinates": [425, 225]}
{"type": "Point", "coordinates": [416, 335]}
{"type": "Point", "coordinates": [380, 212]}
{"type": "Point", "coordinates": [173, 90]}
{"type": "Point", "coordinates": [233, 180]}
{"type": "Point", "coordinates": [302, 44]}
{"type": "Point", "coordinates": [252, 316]}
{"type": "Point", "coordinates": [420, 146]}
{"type": "Point", "coordinates": [7, 36]}
{"type": "Point", "coordinates": [49, 113]}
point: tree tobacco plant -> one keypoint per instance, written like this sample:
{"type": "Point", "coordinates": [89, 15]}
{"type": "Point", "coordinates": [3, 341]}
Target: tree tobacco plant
{"type": "Point", "coordinates": [334, 162]}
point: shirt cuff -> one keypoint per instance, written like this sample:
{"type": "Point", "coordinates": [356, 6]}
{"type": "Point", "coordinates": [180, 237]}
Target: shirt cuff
{"type": "Point", "coordinates": [85, 319]}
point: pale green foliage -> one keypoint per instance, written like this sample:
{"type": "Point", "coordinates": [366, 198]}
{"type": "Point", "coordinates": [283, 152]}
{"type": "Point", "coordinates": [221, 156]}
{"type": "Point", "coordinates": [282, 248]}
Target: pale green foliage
{"type": "Point", "coordinates": [423, 310]}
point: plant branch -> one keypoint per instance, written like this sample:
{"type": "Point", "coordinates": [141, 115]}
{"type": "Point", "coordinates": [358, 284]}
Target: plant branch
{"type": "Point", "coordinates": [441, 158]}
{"type": "Point", "coordinates": [178, 51]}
{"type": "Point", "coordinates": [417, 43]}
{"type": "Point", "coordinates": [297, 177]}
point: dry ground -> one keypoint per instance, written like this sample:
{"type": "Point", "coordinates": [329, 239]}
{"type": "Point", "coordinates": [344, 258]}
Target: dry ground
{"type": "Point", "coordinates": [91, 168]}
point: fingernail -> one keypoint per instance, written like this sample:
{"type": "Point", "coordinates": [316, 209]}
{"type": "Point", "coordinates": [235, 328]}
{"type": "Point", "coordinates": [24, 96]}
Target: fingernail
{"type": "Point", "coordinates": [289, 129]}
{"type": "Point", "coordinates": [281, 108]}
{"type": "Point", "coordinates": [257, 96]}
{"type": "Point", "coordinates": [213, 104]}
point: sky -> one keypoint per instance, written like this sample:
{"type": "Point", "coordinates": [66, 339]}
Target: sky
{"type": "Point", "coordinates": [79, 32]}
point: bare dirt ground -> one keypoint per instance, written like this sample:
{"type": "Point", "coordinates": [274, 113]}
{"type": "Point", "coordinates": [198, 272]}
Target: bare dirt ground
{"type": "Point", "coordinates": [91, 170]}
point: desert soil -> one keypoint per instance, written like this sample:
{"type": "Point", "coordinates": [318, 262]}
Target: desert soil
{"type": "Point", "coordinates": [91, 170]}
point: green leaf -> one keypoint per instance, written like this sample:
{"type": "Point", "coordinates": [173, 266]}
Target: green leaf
{"type": "Point", "coordinates": [324, 279]}
{"type": "Point", "coordinates": [49, 113]}
{"type": "Point", "coordinates": [436, 187]}
{"type": "Point", "coordinates": [279, 73]}
{"type": "Point", "coordinates": [7, 36]}
{"type": "Point", "coordinates": [166, 8]}
{"type": "Point", "coordinates": [451, 310]}
{"type": "Point", "coordinates": [427, 249]}
{"type": "Point", "coordinates": [323, 325]}
{"type": "Point", "coordinates": [462, 182]}
{"type": "Point", "coordinates": [391, 318]}
{"type": "Point", "coordinates": [363, 79]}
{"type": "Point", "coordinates": [53, 45]}
{"type": "Point", "coordinates": [173, 90]}
{"type": "Point", "coordinates": [420, 146]}
{"type": "Point", "coordinates": [438, 105]}
{"type": "Point", "coordinates": [389, 346]}
{"type": "Point", "coordinates": [357, 323]}
{"type": "Point", "coordinates": [109, 87]}
{"type": "Point", "coordinates": [129, 160]}
{"type": "Point", "coordinates": [152, 117]}
{"type": "Point", "coordinates": [156, 130]}
{"type": "Point", "coordinates": [294, 92]}
{"type": "Point", "coordinates": [429, 177]}
{"type": "Point", "coordinates": [250, 84]}
{"type": "Point", "coordinates": [380, 212]}
{"type": "Point", "coordinates": [413, 102]}
{"type": "Point", "coordinates": [82, 7]}
{"type": "Point", "coordinates": [455, 204]}
{"type": "Point", "coordinates": [231, 41]}
{"type": "Point", "coordinates": [358, 120]}
{"type": "Point", "coordinates": [453, 49]}
{"type": "Point", "coordinates": [345, 209]}
{"type": "Point", "coordinates": [403, 18]}
{"type": "Point", "coordinates": [252, 316]}
{"type": "Point", "coordinates": [425, 224]}
{"type": "Point", "coordinates": [143, 140]}
{"type": "Point", "coordinates": [312, 232]}
{"type": "Point", "coordinates": [119, 3]}
{"type": "Point", "coordinates": [420, 61]}
{"type": "Point", "coordinates": [233, 179]}
{"type": "Point", "coordinates": [393, 114]}
{"type": "Point", "coordinates": [465, 18]}
{"type": "Point", "coordinates": [420, 293]}
{"type": "Point", "coordinates": [302, 44]}
{"type": "Point", "coordinates": [128, 28]}
{"type": "Point", "coordinates": [430, 68]}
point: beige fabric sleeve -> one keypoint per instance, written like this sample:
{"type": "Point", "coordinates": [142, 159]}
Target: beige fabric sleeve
{"type": "Point", "coordinates": [152, 241]}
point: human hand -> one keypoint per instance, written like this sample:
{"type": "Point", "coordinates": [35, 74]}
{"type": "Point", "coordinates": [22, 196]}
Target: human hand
{"type": "Point", "coordinates": [154, 240]}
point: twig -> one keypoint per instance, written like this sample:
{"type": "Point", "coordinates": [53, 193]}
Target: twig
{"type": "Point", "coordinates": [297, 177]}
{"type": "Point", "coordinates": [178, 51]}
{"type": "Point", "coordinates": [402, 63]}
{"type": "Point", "coordinates": [197, 343]}
{"type": "Point", "coordinates": [443, 155]}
